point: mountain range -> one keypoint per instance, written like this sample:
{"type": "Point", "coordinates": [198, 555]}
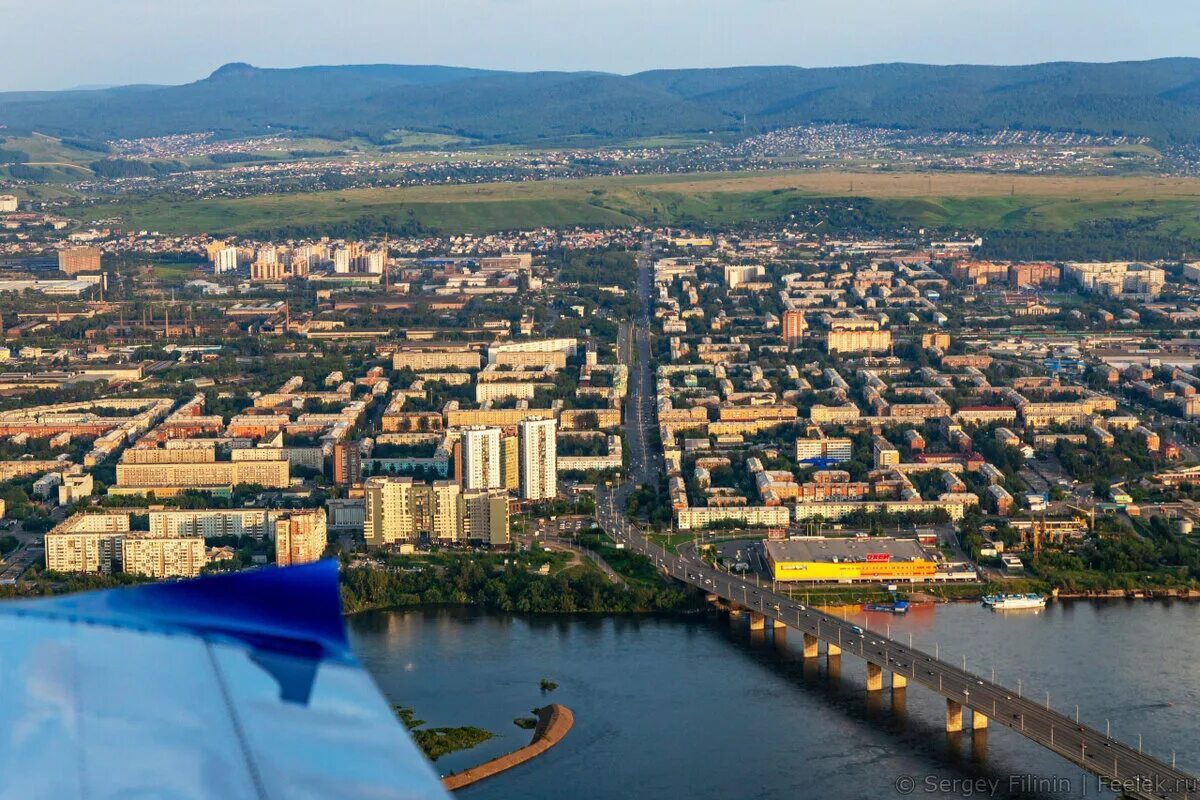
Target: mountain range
{"type": "Point", "coordinates": [1159, 99]}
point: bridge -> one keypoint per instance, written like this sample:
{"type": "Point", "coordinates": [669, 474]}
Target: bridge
{"type": "Point", "coordinates": [1125, 770]}
{"type": "Point", "coordinates": [1120, 767]}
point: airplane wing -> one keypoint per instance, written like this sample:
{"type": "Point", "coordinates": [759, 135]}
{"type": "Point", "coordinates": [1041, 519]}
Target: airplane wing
{"type": "Point", "coordinates": [230, 687]}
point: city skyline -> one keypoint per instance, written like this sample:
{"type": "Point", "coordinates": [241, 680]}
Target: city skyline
{"type": "Point", "coordinates": [153, 44]}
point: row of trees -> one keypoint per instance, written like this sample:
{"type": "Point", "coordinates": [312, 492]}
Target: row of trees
{"type": "Point", "coordinates": [465, 581]}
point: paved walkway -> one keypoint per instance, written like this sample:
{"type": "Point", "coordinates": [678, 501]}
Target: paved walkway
{"type": "Point", "coordinates": [553, 723]}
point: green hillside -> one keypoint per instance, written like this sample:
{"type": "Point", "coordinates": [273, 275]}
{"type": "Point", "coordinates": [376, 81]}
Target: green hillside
{"type": "Point", "coordinates": [1158, 99]}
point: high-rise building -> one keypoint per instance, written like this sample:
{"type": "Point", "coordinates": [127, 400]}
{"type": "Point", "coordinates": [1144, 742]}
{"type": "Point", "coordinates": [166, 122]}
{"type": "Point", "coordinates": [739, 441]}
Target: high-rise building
{"type": "Point", "coordinates": [341, 261]}
{"type": "Point", "coordinates": [74, 260]}
{"type": "Point", "coordinates": [510, 463]}
{"type": "Point", "coordinates": [400, 510]}
{"type": "Point", "coordinates": [225, 260]}
{"type": "Point", "coordinates": [485, 517]}
{"type": "Point", "coordinates": [793, 327]}
{"type": "Point", "coordinates": [267, 271]}
{"type": "Point", "coordinates": [349, 259]}
{"type": "Point", "coordinates": [538, 451]}
{"type": "Point", "coordinates": [300, 537]}
{"type": "Point", "coordinates": [481, 458]}
{"type": "Point", "coordinates": [347, 463]}
{"type": "Point", "coordinates": [376, 260]}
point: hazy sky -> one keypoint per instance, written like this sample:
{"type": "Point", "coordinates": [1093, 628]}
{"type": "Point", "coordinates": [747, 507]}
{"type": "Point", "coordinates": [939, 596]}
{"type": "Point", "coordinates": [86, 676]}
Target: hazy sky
{"type": "Point", "coordinates": [52, 44]}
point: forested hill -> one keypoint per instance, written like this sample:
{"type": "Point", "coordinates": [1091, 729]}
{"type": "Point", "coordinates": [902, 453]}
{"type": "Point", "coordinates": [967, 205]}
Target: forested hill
{"type": "Point", "coordinates": [1159, 99]}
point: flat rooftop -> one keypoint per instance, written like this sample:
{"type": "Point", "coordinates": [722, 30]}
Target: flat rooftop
{"type": "Point", "coordinates": [843, 548]}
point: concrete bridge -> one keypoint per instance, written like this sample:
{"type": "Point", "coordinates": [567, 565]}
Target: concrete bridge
{"type": "Point", "coordinates": [973, 702]}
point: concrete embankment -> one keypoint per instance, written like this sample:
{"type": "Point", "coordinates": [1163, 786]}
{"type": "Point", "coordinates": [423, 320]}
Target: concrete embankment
{"type": "Point", "coordinates": [553, 723]}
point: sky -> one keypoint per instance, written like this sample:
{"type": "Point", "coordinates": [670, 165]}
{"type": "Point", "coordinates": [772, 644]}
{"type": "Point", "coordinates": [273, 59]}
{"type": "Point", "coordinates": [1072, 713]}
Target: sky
{"type": "Point", "coordinates": [56, 44]}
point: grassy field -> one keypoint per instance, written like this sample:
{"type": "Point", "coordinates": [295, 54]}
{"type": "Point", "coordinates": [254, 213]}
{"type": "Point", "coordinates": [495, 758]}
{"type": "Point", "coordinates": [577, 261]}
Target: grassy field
{"type": "Point", "coordinates": [52, 160]}
{"type": "Point", "coordinates": [173, 272]}
{"type": "Point", "coordinates": [974, 201]}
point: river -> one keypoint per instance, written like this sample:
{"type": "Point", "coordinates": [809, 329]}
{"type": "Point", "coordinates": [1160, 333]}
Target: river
{"type": "Point", "coordinates": [699, 707]}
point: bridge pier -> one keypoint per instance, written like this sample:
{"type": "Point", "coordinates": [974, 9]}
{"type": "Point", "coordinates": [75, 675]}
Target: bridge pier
{"type": "Point", "coordinates": [810, 646]}
{"type": "Point", "coordinates": [778, 624]}
{"type": "Point", "coordinates": [874, 677]}
{"type": "Point", "coordinates": [979, 722]}
{"type": "Point", "coordinates": [757, 621]}
{"type": "Point", "coordinates": [833, 668]}
{"type": "Point", "coordinates": [954, 715]}
{"type": "Point", "coordinates": [833, 651]}
{"type": "Point", "coordinates": [899, 681]}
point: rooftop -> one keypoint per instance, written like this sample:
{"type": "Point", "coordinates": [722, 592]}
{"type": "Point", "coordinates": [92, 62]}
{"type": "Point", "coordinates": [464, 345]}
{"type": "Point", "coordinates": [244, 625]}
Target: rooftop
{"type": "Point", "coordinates": [837, 549]}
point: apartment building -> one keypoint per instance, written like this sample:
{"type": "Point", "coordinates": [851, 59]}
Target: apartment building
{"type": "Point", "coordinates": [210, 523]}
{"type": "Point", "coordinates": [225, 260]}
{"type": "Point", "coordinates": [824, 449]}
{"type": "Point", "coordinates": [86, 543]}
{"type": "Point", "coordinates": [482, 458]}
{"type": "Point", "coordinates": [401, 510]}
{"type": "Point", "coordinates": [885, 453]}
{"type": "Point", "coordinates": [202, 474]}
{"type": "Point", "coordinates": [858, 341]}
{"type": "Point", "coordinates": [538, 456]}
{"type": "Point", "coordinates": [485, 519]}
{"type": "Point", "coordinates": [73, 260]}
{"type": "Point", "coordinates": [347, 463]}
{"type": "Point", "coordinates": [300, 536]}
{"type": "Point", "coordinates": [747, 516]}
{"type": "Point", "coordinates": [793, 327]}
{"type": "Point", "coordinates": [843, 413]}
{"type": "Point", "coordinates": [432, 359]}
{"type": "Point", "coordinates": [162, 556]}
{"type": "Point", "coordinates": [75, 488]}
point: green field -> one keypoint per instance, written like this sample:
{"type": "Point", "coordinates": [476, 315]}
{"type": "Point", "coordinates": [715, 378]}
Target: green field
{"type": "Point", "coordinates": [52, 162]}
{"type": "Point", "coordinates": [1169, 206]}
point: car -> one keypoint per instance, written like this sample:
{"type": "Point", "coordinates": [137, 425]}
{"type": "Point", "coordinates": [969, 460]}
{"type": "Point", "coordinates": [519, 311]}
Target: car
{"type": "Point", "coordinates": [979, 682]}
{"type": "Point", "coordinates": [856, 629]}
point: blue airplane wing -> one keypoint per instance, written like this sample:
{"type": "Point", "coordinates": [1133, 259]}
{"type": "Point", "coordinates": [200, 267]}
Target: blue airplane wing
{"type": "Point", "coordinates": [235, 686]}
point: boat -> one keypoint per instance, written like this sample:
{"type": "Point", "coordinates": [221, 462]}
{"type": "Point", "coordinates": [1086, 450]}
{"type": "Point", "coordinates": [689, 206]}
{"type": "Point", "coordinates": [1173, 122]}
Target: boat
{"type": "Point", "coordinates": [1004, 602]}
{"type": "Point", "coordinates": [897, 607]}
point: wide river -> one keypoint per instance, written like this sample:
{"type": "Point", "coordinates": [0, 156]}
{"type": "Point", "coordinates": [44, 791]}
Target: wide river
{"type": "Point", "coordinates": [697, 707]}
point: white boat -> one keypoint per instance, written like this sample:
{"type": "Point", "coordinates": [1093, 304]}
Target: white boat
{"type": "Point", "coordinates": [1004, 602]}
